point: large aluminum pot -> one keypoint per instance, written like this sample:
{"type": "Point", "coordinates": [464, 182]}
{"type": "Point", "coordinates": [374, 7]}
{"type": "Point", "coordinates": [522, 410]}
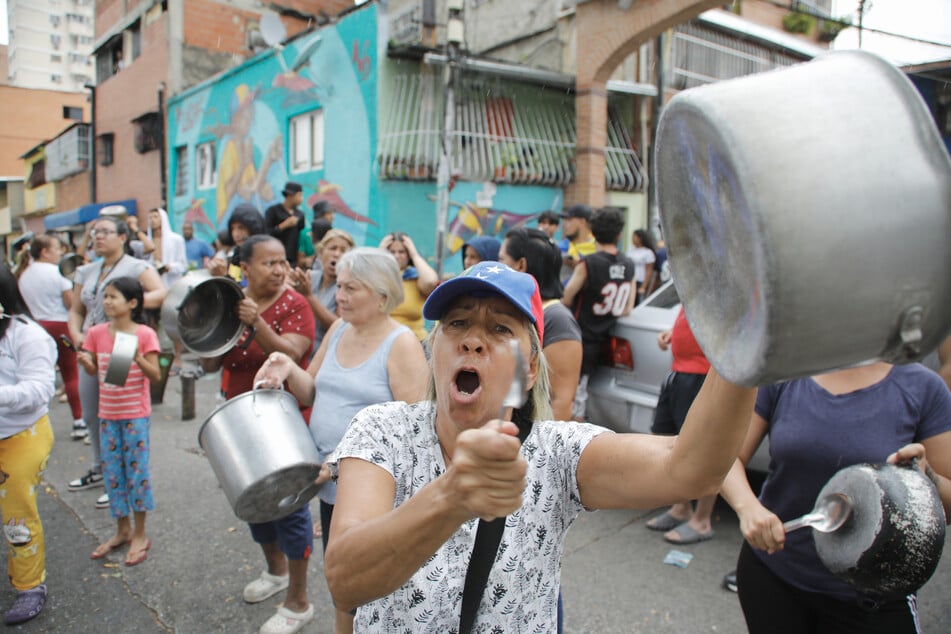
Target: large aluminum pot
{"type": "Point", "coordinates": [262, 454]}
{"type": "Point", "coordinates": [806, 215]}
{"type": "Point", "coordinates": [207, 319]}
{"type": "Point", "coordinates": [891, 542]}
{"type": "Point", "coordinates": [176, 295]}
{"type": "Point", "coordinates": [68, 265]}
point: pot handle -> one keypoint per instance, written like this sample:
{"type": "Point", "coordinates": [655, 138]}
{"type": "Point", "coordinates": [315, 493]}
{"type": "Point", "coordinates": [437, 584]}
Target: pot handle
{"type": "Point", "coordinates": [188, 294]}
{"type": "Point", "coordinates": [251, 330]}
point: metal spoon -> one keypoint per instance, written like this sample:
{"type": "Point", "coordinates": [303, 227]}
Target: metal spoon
{"type": "Point", "coordinates": [829, 514]}
{"type": "Point", "coordinates": [517, 393]}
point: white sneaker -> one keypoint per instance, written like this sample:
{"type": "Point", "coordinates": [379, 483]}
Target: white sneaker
{"type": "Point", "coordinates": [102, 502]}
{"type": "Point", "coordinates": [267, 585]}
{"type": "Point", "coordinates": [287, 622]}
{"type": "Point", "coordinates": [79, 430]}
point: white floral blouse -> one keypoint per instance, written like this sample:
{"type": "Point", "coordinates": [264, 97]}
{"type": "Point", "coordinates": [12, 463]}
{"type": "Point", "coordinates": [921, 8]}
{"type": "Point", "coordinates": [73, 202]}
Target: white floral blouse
{"type": "Point", "coordinates": [522, 590]}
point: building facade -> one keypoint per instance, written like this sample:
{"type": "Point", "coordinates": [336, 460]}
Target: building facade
{"type": "Point", "coordinates": [50, 42]}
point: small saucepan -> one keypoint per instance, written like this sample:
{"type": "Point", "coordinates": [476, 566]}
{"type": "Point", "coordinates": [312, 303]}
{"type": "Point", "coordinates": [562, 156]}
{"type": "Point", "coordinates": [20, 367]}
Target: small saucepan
{"type": "Point", "coordinates": [891, 542]}
{"type": "Point", "coordinates": [120, 361]}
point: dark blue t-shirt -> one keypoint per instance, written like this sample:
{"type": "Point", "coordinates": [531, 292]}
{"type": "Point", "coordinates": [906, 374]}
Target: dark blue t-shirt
{"type": "Point", "coordinates": [813, 434]}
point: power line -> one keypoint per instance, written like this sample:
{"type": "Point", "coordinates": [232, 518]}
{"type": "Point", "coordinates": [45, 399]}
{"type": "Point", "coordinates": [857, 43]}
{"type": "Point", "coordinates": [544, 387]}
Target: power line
{"type": "Point", "coordinates": [804, 11]}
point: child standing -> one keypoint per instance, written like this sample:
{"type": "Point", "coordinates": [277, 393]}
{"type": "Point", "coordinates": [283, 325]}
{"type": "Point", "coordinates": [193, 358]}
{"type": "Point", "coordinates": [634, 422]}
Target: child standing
{"type": "Point", "coordinates": [124, 416]}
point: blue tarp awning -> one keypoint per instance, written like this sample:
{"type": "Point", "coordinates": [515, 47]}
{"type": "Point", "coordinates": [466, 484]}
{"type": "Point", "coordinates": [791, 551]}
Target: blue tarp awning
{"type": "Point", "coordinates": [84, 214]}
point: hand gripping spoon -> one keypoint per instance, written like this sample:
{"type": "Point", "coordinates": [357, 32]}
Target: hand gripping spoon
{"type": "Point", "coordinates": [829, 514]}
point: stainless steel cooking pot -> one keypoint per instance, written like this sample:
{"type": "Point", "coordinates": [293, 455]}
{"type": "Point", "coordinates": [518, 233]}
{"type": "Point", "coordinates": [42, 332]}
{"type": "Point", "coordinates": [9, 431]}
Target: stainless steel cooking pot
{"type": "Point", "coordinates": [206, 319]}
{"type": "Point", "coordinates": [806, 217]}
{"type": "Point", "coordinates": [176, 295]}
{"type": "Point", "coordinates": [262, 454]}
{"type": "Point", "coordinates": [891, 542]}
{"type": "Point", "coordinates": [68, 265]}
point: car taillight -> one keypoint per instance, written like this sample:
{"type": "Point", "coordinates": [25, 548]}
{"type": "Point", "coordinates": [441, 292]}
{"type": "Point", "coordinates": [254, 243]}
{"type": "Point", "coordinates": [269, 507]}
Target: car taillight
{"type": "Point", "coordinates": [616, 352]}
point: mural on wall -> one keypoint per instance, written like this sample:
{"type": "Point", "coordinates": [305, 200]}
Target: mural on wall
{"type": "Point", "coordinates": [242, 136]}
{"type": "Point", "coordinates": [275, 119]}
{"type": "Point", "coordinates": [475, 209]}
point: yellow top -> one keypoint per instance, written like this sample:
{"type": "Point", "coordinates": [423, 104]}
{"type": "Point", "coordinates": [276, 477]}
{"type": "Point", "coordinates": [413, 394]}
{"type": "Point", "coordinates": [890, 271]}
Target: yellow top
{"type": "Point", "coordinates": [577, 250]}
{"type": "Point", "coordinates": [410, 312]}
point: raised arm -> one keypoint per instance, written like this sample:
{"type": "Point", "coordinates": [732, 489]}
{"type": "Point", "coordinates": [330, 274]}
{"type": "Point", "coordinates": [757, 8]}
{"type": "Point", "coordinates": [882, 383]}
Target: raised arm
{"type": "Point", "coordinates": [639, 471]}
{"type": "Point", "coordinates": [374, 549]}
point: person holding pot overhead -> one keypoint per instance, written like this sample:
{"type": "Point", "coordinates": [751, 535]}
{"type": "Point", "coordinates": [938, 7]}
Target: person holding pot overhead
{"type": "Point", "coordinates": [367, 357]}
{"type": "Point", "coordinates": [817, 426]}
{"type": "Point", "coordinates": [282, 322]}
{"type": "Point", "coordinates": [110, 237]}
{"type": "Point", "coordinates": [419, 476]}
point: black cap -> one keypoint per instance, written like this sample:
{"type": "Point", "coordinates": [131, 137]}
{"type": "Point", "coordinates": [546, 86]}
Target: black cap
{"type": "Point", "coordinates": [577, 211]}
{"type": "Point", "coordinates": [292, 188]}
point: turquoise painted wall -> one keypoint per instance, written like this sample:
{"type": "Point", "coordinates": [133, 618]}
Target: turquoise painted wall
{"type": "Point", "coordinates": [246, 114]}
{"type": "Point", "coordinates": [247, 111]}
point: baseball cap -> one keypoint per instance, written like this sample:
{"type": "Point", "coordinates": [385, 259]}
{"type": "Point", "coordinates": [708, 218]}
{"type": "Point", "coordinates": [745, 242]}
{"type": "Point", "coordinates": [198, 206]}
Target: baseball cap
{"type": "Point", "coordinates": [577, 211]}
{"type": "Point", "coordinates": [292, 188]}
{"type": "Point", "coordinates": [485, 279]}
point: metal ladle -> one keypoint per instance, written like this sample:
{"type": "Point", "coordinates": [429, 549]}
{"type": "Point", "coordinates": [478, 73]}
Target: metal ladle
{"type": "Point", "coordinates": [830, 513]}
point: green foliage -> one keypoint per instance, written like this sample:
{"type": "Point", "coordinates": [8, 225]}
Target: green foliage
{"type": "Point", "coordinates": [829, 29]}
{"type": "Point", "coordinates": [796, 22]}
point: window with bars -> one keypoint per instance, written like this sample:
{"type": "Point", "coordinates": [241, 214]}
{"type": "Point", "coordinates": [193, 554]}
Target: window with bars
{"type": "Point", "coordinates": [307, 142]}
{"type": "Point", "coordinates": [207, 174]}
{"type": "Point", "coordinates": [105, 147]}
{"type": "Point", "coordinates": [181, 170]}
{"type": "Point", "coordinates": [700, 55]}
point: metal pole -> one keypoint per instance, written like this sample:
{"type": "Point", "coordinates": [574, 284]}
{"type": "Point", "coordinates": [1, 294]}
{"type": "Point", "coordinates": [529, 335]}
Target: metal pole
{"type": "Point", "coordinates": [861, 16]}
{"type": "Point", "coordinates": [161, 124]}
{"type": "Point", "coordinates": [92, 141]}
{"type": "Point", "coordinates": [653, 210]}
{"type": "Point", "coordinates": [444, 169]}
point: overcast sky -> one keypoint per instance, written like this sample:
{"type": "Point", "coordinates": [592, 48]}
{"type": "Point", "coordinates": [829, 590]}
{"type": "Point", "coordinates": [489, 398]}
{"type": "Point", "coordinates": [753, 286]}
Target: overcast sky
{"type": "Point", "coordinates": [926, 19]}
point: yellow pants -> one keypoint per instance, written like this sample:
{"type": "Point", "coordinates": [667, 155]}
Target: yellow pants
{"type": "Point", "coordinates": [23, 458]}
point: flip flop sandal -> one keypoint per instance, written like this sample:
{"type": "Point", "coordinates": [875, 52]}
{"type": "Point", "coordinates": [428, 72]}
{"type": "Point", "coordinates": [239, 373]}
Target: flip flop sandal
{"type": "Point", "coordinates": [142, 556]}
{"type": "Point", "coordinates": [97, 555]}
{"type": "Point", "coordinates": [687, 535]}
{"type": "Point", "coordinates": [663, 522]}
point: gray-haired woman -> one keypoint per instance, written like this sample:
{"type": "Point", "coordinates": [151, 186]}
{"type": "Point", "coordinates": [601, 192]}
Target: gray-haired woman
{"type": "Point", "coordinates": [365, 358]}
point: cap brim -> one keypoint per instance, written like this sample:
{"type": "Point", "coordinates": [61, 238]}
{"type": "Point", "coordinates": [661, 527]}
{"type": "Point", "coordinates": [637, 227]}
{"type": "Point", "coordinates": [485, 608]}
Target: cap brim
{"type": "Point", "coordinates": [446, 293]}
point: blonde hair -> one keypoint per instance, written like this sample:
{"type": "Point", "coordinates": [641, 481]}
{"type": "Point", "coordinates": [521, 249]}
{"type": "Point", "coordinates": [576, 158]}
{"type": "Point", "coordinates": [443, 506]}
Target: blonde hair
{"type": "Point", "coordinates": [335, 233]}
{"type": "Point", "coordinates": [538, 404]}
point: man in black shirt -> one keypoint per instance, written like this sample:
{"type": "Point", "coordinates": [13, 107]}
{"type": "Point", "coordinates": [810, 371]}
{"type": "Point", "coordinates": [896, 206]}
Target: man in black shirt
{"type": "Point", "coordinates": [285, 221]}
{"type": "Point", "coordinates": [600, 290]}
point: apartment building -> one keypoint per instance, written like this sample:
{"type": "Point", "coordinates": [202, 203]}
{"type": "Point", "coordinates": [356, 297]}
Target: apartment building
{"type": "Point", "coordinates": [50, 42]}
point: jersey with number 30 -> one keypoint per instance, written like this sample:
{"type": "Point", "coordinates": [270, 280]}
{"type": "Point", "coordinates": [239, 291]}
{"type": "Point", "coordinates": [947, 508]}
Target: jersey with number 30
{"type": "Point", "coordinates": [604, 295]}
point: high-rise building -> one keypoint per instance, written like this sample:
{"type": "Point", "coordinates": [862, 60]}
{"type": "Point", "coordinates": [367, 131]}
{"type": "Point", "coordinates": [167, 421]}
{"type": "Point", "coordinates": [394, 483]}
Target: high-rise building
{"type": "Point", "coordinates": [50, 43]}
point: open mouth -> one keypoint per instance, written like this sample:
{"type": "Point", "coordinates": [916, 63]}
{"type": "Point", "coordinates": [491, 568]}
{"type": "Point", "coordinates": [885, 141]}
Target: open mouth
{"type": "Point", "coordinates": [467, 381]}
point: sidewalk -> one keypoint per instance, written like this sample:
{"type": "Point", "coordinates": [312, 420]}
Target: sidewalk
{"type": "Point", "coordinates": [202, 555]}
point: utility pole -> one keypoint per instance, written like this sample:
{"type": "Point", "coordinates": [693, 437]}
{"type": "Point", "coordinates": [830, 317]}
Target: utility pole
{"type": "Point", "coordinates": [455, 36]}
{"type": "Point", "coordinates": [861, 16]}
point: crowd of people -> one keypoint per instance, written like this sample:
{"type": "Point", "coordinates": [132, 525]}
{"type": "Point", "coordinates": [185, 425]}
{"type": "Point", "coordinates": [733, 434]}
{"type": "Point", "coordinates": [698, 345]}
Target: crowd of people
{"type": "Point", "coordinates": [405, 380]}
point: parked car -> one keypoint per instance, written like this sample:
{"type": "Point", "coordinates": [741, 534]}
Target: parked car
{"type": "Point", "coordinates": [623, 390]}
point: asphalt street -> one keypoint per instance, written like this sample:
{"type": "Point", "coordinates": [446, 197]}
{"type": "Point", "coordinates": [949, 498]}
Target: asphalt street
{"type": "Point", "coordinates": [614, 578]}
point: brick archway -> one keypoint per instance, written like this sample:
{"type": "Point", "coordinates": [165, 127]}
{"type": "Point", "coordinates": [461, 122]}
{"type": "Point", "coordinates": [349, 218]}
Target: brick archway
{"type": "Point", "coordinates": [605, 35]}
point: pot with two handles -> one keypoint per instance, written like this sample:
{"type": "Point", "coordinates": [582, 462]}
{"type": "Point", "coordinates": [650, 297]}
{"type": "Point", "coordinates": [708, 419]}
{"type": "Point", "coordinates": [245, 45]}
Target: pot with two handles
{"type": "Point", "coordinates": [892, 539]}
{"type": "Point", "coordinates": [262, 454]}
{"type": "Point", "coordinates": [200, 312]}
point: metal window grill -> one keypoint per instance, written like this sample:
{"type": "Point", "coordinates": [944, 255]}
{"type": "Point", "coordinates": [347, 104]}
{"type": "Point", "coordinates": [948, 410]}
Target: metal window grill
{"type": "Point", "coordinates": [503, 132]}
{"type": "Point", "coordinates": [701, 56]}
